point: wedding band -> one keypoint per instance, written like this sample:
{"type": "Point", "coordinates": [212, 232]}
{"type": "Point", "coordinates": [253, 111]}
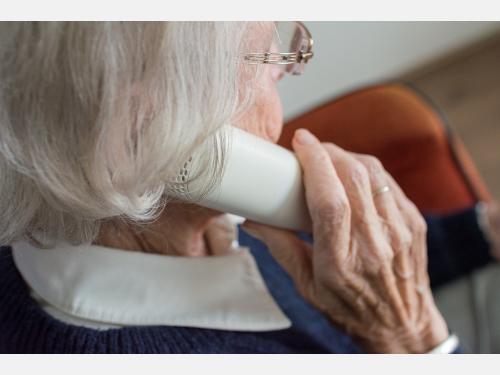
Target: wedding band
{"type": "Point", "coordinates": [403, 275]}
{"type": "Point", "coordinates": [382, 190]}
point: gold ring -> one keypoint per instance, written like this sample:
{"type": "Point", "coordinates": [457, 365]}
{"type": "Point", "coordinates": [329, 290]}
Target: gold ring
{"type": "Point", "coordinates": [382, 190]}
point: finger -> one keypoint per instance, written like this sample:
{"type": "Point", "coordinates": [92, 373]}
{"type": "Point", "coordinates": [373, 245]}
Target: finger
{"type": "Point", "coordinates": [417, 226]}
{"type": "Point", "coordinates": [293, 254]}
{"type": "Point", "coordinates": [366, 222]}
{"type": "Point", "coordinates": [418, 250]}
{"type": "Point", "coordinates": [356, 181]}
{"type": "Point", "coordinates": [220, 235]}
{"type": "Point", "coordinates": [377, 252]}
{"type": "Point", "coordinates": [383, 200]}
{"type": "Point", "coordinates": [325, 196]}
{"type": "Point", "coordinates": [399, 235]}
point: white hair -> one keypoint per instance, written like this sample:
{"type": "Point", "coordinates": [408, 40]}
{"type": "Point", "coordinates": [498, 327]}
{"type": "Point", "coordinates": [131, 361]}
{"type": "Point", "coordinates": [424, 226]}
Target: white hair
{"type": "Point", "coordinates": [95, 118]}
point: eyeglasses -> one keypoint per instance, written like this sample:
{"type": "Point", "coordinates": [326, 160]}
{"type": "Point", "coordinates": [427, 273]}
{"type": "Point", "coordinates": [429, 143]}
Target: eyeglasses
{"type": "Point", "coordinates": [291, 48]}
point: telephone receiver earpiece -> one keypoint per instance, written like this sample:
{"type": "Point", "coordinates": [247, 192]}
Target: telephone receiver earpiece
{"type": "Point", "coordinates": [261, 181]}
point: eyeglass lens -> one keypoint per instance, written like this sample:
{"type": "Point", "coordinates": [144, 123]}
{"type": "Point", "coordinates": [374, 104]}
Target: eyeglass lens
{"type": "Point", "coordinates": [290, 37]}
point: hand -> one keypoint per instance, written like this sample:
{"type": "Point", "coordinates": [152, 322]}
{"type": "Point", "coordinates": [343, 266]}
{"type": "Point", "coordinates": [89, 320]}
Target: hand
{"type": "Point", "coordinates": [220, 234]}
{"type": "Point", "coordinates": [367, 270]}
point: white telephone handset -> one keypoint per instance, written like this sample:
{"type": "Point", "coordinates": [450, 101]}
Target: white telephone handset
{"type": "Point", "coordinates": [262, 182]}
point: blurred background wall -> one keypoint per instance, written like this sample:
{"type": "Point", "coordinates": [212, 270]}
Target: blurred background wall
{"type": "Point", "coordinates": [351, 54]}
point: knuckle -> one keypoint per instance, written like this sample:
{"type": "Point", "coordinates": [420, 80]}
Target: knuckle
{"type": "Point", "coordinates": [375, 169]}
{"type": "Point", "coordinates": [382, 251]}
{"type": "Point", "coordinates": [321, 157]}
{"type": "Point", "coordinates": [400, 234]}
{"type": "Point", "coordinates": [330, 147]}
{"type": "Point", "coordinates": [358, 173]}
{"type": "Point", "coordinates": [405, 239]}
{"type": "Point", "coordinates": [331, 151]}
{"type": "Point", "coordinates": [380, 255]}
{"type": "Point", "coordinates": [418, 224]}
{"type": "Point", "coordinates": [332, 210]}
{"type": "Point", "coordinates": [386, 255]}
{"type": "Point", "coordinates": [372, 163]}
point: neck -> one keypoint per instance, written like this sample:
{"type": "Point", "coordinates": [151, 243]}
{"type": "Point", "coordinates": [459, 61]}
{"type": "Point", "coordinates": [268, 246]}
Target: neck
{"type": "Point", "coordinates": [182, 229]}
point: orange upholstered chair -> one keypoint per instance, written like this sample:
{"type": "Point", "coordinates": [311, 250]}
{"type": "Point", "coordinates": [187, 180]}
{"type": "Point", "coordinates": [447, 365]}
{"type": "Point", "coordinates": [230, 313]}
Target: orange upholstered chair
{"type": "Point", "coordinates": [405, 131]}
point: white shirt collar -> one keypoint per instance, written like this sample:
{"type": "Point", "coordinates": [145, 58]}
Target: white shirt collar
{"type": "Point", "coordinates": [90, 283]}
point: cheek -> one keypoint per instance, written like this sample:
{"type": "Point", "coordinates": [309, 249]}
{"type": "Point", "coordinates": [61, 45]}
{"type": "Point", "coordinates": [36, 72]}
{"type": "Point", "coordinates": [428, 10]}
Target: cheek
{"type": "Point", "coordinates": [265, 117]}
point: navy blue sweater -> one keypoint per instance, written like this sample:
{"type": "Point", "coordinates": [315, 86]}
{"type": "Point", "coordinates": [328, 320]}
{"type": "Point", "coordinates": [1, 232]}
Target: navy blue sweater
{"type": "Point", "coordinates": [26, 328]}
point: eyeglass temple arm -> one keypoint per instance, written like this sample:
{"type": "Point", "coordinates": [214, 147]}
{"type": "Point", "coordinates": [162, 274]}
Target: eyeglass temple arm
{"type": "Point", "coordinates": [278, 58]}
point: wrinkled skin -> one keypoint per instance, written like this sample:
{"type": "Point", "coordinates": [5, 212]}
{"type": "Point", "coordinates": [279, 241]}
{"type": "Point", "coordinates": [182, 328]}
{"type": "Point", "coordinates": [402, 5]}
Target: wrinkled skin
{"type": "Point", "coordinates": [367, 270]}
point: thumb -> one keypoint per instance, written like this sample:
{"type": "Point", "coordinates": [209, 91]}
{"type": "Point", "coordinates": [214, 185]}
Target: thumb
{"type": "Point", "coordinates": [293, 254]}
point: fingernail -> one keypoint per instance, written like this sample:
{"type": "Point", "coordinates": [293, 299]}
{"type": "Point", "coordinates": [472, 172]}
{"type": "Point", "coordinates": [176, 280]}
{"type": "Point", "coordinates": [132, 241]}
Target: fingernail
{"type": "Point", "coordinates": [304, 137]}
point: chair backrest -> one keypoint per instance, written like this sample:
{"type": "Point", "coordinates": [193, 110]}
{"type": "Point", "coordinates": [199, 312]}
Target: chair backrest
{"type": "Point", "coordinates": [407, 133]}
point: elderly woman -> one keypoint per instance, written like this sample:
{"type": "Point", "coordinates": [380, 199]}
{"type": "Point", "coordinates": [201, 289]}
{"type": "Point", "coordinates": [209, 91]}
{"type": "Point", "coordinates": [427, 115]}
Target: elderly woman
{"type": "Point", "coordinates": [97, 118]}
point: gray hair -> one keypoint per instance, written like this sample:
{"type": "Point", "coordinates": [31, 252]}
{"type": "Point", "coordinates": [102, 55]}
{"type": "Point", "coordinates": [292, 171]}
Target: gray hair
{"type": "Point", "coordinates": [95, 118]}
